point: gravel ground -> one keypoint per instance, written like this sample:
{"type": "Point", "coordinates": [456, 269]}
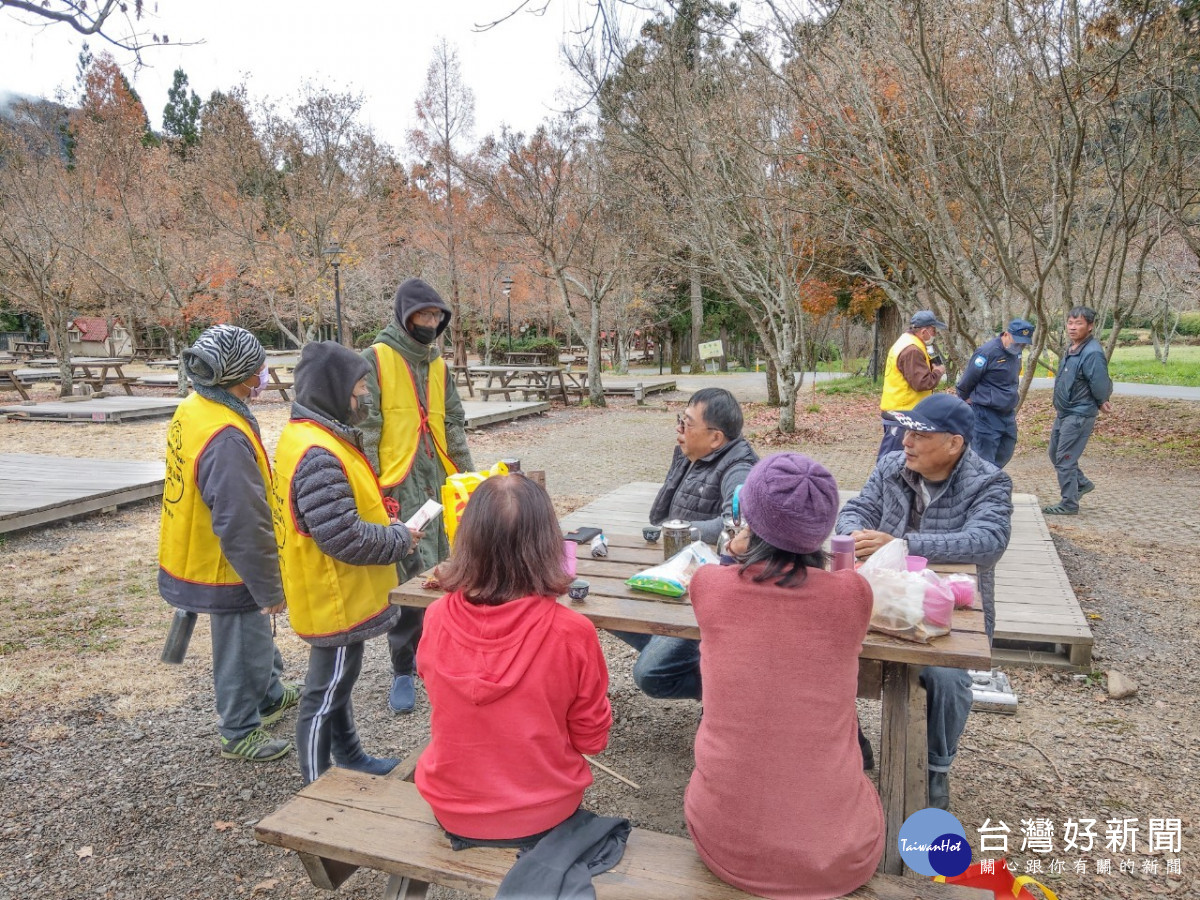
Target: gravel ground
{"type": "Point", "coordinates": [111, 784]}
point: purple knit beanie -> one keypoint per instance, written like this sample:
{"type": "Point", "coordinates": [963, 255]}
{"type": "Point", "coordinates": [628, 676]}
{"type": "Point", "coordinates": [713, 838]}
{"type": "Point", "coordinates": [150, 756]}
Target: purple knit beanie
{"type": "Point", "coordinates": [791, 502]}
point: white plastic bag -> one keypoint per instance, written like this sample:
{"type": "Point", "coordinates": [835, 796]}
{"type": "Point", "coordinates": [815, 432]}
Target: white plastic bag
{"type": "Point", "coordinates": [671, 579]}
{"type": "Point", "coordinates": [900, 595]}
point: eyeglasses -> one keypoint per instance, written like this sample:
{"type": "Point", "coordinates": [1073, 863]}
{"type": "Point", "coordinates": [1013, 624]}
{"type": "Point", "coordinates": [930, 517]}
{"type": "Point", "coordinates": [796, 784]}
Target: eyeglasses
{"type": "Point", "coordinates": [682, 423]}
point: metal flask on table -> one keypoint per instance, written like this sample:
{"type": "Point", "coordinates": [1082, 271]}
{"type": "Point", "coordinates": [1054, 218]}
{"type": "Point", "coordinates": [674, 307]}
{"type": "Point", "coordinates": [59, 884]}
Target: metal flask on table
{"type": "Point", "coordinates": [728, 533]}
{"type": "Point", "coordinates": [676, 534]}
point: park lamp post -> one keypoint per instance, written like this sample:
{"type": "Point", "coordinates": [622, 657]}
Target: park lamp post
{"type": "Point", "coordinates": [508, 283]}
{"type": "Point", "coordinates": [334, 252]}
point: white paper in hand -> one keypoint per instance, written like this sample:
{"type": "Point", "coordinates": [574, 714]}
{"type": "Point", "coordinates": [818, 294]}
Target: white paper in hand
{"type": "Point", "coordinates": [423, 516]}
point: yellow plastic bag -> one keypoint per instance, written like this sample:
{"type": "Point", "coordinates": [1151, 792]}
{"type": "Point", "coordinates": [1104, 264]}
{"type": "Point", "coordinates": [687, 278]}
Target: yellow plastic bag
{"type": "Point", "coordinates": [457, 491]}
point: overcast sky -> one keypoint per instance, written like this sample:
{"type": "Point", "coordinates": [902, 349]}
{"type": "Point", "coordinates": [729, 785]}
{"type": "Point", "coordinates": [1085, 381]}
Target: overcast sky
{"type": "Point", "coordinates": [515, 69]}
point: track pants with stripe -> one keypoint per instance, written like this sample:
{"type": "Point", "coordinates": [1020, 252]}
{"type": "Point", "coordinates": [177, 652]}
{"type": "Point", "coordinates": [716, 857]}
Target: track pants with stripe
{"type": "Point", "coordinates": [325, 720]}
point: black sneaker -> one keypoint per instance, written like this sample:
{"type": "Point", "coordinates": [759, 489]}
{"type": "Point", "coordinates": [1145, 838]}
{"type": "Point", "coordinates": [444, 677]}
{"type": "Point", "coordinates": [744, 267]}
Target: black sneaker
{"type": "Point", "coordinates": [1087, 490]}
{"type": "Point", "coordinates": [257, 746]}
{"type": "Point", "coordinates": [289, 698]}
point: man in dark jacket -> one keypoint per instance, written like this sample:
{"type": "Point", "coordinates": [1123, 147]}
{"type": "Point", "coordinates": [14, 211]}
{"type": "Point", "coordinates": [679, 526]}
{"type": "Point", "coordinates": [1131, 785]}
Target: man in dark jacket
{"type": "Point", "coordinates": [338, 549]}
{"type": "Point", "coordinates": [951, 507]}
{"type": "Point", "coordinates": [216, 545]}
{"type": "Point", "coordinates": [990, 385]}
{"type": "Point", "coordinates": [1081, 391]}
{"type": "Point", "coordinates": [415, 435]}
{"type": "Point", "coordinates": [710, 462]}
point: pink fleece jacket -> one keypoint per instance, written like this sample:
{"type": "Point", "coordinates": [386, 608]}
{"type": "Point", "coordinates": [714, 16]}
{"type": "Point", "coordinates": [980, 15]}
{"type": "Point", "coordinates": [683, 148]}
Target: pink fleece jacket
{"type": "Point", "coordinates": [778, 804]}
{"type": "Point", "coordinates": [518, 693]}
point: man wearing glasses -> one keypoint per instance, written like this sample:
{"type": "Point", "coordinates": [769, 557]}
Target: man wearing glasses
{"type": "Point", "coordinates": [710, 462]}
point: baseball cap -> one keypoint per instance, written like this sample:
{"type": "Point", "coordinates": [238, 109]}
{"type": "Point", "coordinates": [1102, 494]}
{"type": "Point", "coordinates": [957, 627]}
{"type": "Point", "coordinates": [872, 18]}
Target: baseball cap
{"type": "Point", "coordinates": [924, 319]}
{"type": "Point", "coordinates": [938, 412]}
{"type": "Point", "coordinates": [1020, 331]}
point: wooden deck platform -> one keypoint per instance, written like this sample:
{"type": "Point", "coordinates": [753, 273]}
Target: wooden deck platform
{"type": "Point", "coordinates": [624, 386]}
{"type": "Point", "coordinates": [109, 410]}
{"type": "Point", "coordinates": [37, 489]}
{"type": "Point", "coordinates": [480, 413]}
{"type": "Point", "coordinates": [1038, 619]}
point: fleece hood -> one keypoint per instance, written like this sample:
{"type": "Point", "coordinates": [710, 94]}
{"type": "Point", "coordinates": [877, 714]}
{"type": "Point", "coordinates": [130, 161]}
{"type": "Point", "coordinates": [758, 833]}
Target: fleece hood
{"type": "Point", "coordinates": [325, 378]}
{"type": "Point", "coordinates": [490, 648]}
{"type": "Point", "coordinates": [415, 295]}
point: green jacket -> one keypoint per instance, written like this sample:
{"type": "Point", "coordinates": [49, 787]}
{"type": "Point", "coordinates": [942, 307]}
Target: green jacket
{"type": "Point", "coordinates": [427, 476]}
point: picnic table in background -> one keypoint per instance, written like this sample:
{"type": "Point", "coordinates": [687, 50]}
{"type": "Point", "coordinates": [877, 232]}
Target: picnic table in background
{"type": "Point", "coordinates": [537, 382]}
{"type": "Point", "coordinates": [888, 667]}
{"type": "Point", "coordinates": [95, 372]}
{"type": "Point", "coordinates": [29, 348]}
{"type": "Point", "coordinates": [277, 383]}
{"type": "Point", "coordinates": [522, 358]}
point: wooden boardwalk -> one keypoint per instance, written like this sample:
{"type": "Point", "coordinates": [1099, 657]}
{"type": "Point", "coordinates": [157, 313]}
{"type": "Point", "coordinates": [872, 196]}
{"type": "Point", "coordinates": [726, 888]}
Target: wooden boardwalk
{"type": "Point", "coordinates": [109, 410]}
{"type": "Point", "coordinates": [480, 413]}
{"type": "Point", "coordinates": [38, 489]}
{"type": "Point", "coordinates": [1038, 619]}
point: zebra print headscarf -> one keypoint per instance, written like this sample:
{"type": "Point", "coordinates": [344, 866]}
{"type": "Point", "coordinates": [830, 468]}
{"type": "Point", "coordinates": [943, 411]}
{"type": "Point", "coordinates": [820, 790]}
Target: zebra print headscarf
{"type": "Point", "coordinates": [223, 356]}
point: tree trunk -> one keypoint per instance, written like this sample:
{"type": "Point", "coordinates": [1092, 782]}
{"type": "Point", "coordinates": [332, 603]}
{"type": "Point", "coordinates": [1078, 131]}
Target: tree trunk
{"type": "Point", "coordinates": [788, 385]}
{"type": "Point", "coordinates": [724, 363]}
{"type": "Point", "coordinates": [595, 384]}
{"type": "Point", "coordinates": [697, 319]}
{"type": "Point", "coordinates": [772, 383]}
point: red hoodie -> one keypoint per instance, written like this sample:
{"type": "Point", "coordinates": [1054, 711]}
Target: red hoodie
{"type": "Point", "coordinates": [518, 692]}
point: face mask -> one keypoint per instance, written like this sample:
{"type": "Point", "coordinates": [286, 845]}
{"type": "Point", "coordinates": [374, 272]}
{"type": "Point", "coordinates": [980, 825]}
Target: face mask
{"type": "Point", "coordinates": [423, 333]}
{"type": "Point", "coordinates": [263, 375]}
{"type": "Point", "coordinates": [358, 414]}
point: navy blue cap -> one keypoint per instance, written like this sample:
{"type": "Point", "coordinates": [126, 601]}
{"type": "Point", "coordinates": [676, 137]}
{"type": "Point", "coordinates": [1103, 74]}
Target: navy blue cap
{"type": "Point", "coordinates": [1020, 331]}
{"type": "Point", "coordinates": [938, 412]}
{"type": "Point", "coordinates": [924, 319]}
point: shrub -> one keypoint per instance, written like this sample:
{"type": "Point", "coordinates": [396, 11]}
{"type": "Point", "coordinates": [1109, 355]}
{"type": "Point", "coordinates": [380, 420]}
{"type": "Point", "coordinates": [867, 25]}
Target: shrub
{"type": "Point", "coordinates": [1189, 324]}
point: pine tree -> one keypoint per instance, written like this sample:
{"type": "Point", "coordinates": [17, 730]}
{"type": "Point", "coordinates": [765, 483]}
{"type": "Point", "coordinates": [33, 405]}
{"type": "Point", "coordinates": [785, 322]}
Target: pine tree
{"type": "Point", "coordinates": [181, 115]}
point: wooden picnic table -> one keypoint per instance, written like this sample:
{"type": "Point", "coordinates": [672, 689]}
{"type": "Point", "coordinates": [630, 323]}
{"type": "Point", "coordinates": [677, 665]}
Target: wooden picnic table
{"type": "Point", "coordinates": [888, 667]}
{"type": "Point", "coordinates": [522, 358]}
{"type": "Point", "coordinates": [529, 381]}
{"type": "Point", "coordinates": [29, 348]}
{"type": "Point", "coordinates": [95, 372]}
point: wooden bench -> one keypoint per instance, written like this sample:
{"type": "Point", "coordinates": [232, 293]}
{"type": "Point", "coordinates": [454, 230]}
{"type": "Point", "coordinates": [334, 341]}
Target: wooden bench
{"type": "Point", "coordinates": [9, 379]}
{"type": "Point", "coordinates": [346, 820]}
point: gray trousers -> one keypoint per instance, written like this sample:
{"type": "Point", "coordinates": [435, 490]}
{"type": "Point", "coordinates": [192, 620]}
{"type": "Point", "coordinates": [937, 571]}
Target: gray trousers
{"type": "Point", "coordinates": [325, 719]}
{"type": "Point", "coordinates": [246, 670]}
{"type": "Point", "coordinates": [1068, 438]}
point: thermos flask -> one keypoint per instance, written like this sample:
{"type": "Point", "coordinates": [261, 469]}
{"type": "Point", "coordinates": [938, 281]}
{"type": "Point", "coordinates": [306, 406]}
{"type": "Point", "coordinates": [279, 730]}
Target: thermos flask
{"type": "Point", "coordinates": [180, 634]}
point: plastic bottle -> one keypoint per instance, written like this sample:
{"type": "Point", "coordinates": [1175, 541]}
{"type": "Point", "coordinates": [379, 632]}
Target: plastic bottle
{"type": "Point", "coordinates": [842, 546]}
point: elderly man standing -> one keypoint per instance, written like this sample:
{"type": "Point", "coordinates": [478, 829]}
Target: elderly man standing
{"type": "Point", "coordinates": [1081, 391]}
{"type": "Point", "coordinates": [909, 376]}
{"type": "Point", "coordinates": [216, 546]}
{"type": "Point", "coordinates": [710, 462]}
{"type": "Point", "coordinates": [990, 385]}
{"type": "Point", "coordinates": [415, 435]}
{"type": "Point", "coordinates": [951, 507]}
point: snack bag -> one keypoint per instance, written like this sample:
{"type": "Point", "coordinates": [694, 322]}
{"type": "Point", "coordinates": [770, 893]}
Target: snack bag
{"type": "Point", "coordinates": [915, 606]}
{"type": "Point", "coordinates": [457, 491]}
{"type": "Point", "coordinates": [671, 578]}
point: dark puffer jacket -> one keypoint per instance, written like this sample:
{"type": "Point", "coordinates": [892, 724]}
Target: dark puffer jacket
{"type": "Point", "coordinates": [968, 520]}
{"type": "Point", "coordinates": [324, 507]}
{"type": "Point", "coordinates": [702, 492]}
{"type": "Point", "coordinates": [1083, 382]}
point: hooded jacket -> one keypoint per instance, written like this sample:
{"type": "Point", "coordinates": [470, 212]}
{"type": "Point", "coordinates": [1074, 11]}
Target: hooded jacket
{"type": "Point", "coordinates": [518, 693]}
{"type": "Point", "coordinates": [427, 475]}
{"type": "Point", "coordinates": [322, 500]}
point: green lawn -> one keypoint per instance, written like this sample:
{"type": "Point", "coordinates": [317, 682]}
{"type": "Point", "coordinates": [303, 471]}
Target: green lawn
{"type": "Point", "coordinates": [1139, 365]}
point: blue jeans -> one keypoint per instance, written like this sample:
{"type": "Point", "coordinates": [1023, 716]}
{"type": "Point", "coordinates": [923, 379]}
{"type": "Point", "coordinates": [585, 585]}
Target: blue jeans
{"type": "Point", "coordinates": [995, 435]}
{"type": "Point", "coordinates": [947, 705]}
{"type": "Point", "coordinates": [667, 668]}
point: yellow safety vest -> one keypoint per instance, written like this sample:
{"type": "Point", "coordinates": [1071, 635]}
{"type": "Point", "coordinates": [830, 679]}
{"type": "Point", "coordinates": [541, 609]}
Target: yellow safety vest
{"type": "Point", "coordinates": [188, 549]}
{"type": "Point", "coordinates": [326, 596]}
{"type": "Point", "coordinates": [405, 417]}
{"type": "Point", "coordinates": [897, 392]}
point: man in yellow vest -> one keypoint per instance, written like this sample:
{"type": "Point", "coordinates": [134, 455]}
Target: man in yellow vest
{"type": "Point", "coordinates": [909, 375]}
{"type": "Point", "coordinates": [338, 549]}
{"type": "Point", "coordinates": [415, 435]}
{"type": "Point", "coordinates": [216, 550]}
